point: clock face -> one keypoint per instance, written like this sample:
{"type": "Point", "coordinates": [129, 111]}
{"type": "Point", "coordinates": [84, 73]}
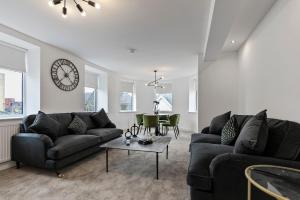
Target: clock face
{"type": "Point", "coordinates": [64, 74]}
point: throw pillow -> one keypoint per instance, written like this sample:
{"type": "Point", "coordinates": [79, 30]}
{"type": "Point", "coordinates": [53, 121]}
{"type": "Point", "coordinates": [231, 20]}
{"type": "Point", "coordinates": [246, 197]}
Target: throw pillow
{"type": "Point", "coordinates": [229, 132]}
{"type": "Point", "coordinates": [43, 124]}
{"type": "Point", "coordinates": [253, 136]}
{"type": "Point", "coordinates": [100, 118]}
{"type": "Point", "coordinates": [217, 124]}
{"type": "Point", "coordinates": [78, 126]}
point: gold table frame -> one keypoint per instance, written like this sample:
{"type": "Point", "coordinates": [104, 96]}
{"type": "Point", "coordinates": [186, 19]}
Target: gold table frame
{"type": "Point", "coordinates": [263, 189]}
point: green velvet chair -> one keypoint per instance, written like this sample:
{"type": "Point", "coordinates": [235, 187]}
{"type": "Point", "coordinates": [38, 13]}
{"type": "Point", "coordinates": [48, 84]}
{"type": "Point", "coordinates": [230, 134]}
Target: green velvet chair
{"type": "Point", "coordinates": [139, 120]}
{"type": "Point", "coordinates": [150, 121]}
{"type": "Point", "coordinates": [164, 118]}
{"type": "Point", "coordinates": [173, 122]}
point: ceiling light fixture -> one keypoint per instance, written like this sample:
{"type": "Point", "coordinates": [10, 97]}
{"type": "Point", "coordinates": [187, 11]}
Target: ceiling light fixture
{"type": "Point", "coordinates": [155, 83]}
{"type": "Point", "coordinates": [52, 3]}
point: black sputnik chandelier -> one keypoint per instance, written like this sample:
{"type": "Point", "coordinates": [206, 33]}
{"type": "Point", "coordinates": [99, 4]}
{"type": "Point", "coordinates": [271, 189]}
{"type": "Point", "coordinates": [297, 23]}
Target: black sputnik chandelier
{"type": "Point", "coordinates": [78, 6]}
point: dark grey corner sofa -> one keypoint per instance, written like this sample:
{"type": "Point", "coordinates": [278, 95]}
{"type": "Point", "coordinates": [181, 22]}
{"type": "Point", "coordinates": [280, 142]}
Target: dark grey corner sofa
{"type": "Point", "coordinates": [40, 150]}
{"type": "Point", "coordinates": [216, 172]}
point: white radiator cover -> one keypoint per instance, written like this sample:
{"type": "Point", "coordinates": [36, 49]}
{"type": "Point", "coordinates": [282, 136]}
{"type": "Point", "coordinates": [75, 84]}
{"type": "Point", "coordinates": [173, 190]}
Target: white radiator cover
{"type": "Point", "coordinates": [6, 132]}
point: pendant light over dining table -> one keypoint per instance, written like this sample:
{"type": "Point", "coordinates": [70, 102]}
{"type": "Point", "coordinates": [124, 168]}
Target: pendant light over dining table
{"type": "Point", "coordinates": [78, 6]}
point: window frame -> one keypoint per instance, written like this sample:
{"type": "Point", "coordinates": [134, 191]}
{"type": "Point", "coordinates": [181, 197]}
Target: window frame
{"type": "Point", "coordinates": [16, 116]}
{"type": "Point", "coordinates": [193, 86]}
{"type": "Point", "coordinates": [95, 99]}
{"type": "Point", "coordinates": [166, 111]}
{"type": "Point", "coordinates": [133, 99]}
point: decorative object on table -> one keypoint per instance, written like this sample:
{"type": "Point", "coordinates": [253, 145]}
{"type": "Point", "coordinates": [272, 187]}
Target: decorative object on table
{"type": "Point", "coordinates": [173, 122]}
{"type": "Point", "coordinates": [155, 107]}
{"type": "Point", "coordinates": [128, 135]}
{"type": "Point", "coordinates": [134, 130]}
{"type": "Point", "coordinates": [78, 6]}
{"type": "Point", "coordinates": [145, 141]}
{"type": "Point", "coordinates": [64, 74]}
{"type": "Point", "coordinates": [281, 183]}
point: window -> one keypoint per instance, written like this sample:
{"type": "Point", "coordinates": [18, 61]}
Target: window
{"type": "Point", "coordinates": [96, 96]}
{"type": "Point", "coordinates": [165, 98]}
{"type": "Point", "coordinates": [90, 99]}
{"type": "Point", "coordinates": [127, 97]}
{"type": "Point", "coordinates": [11, 93]}
{"type": "Point", "coordinates": [193, 95]}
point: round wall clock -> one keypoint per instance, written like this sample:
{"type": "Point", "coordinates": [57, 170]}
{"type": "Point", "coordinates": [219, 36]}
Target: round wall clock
{"type": "Point", "coordinates": [64, 74]}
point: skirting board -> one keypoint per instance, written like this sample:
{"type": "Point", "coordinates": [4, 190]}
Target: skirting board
{"type": "Point", "coordinates": [7, 165]}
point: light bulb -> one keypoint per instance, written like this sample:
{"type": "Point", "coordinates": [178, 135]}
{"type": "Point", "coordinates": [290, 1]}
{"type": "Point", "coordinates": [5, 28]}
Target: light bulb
{"type": "Point", "coordinates": [83, 13]}
{"type": "Point", "coordinates": [64, 13]}
{"type": "Point", "coordinates": [50, 3]}
{"type": "Point", "coordinates": [97, 6]}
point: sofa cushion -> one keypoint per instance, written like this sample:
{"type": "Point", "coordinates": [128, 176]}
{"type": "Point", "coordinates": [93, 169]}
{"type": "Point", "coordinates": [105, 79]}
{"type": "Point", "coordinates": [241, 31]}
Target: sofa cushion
{"type": "Point", "coordinates": [78, 126]}
{"type": "Point", "coordinates": [218, 123]}
{"type": "Point", "coordinates": [229, 133]}
{"type": "Point", "coordinates": [69, 144]}
{"type": "Point", "coordinates": [290, 146]}
{"type": "Point", "coordinates": [201, 156]}
{"type": "Point", "coordinates": [43, 124]}
{"type": "Point", "coordinates": [100, 118]}
{"type": "Point", "coordinates": [86, 117]}
{"type": "Point", "coordinates": [64, 119]}
{"type": "Point", "coordinates": [105, 134]}
{"type": "Point", "coordinates": [254, 135]}
{"type": "Point", "coordinates": [205, 138]}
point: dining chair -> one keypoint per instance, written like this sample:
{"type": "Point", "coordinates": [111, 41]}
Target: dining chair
{"type": "Point", "coordinates": [164, 118]}
{"type": "Point", "coordinates": [173, 122]}
{"type": "Point", "coordinates": [150, 121]}
{"type": "Point", "coordinates": [139, 120]}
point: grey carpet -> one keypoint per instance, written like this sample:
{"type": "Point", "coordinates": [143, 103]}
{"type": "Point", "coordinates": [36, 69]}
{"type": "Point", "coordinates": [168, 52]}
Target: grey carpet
{"type": "Point", "coordinates": [130, 178]}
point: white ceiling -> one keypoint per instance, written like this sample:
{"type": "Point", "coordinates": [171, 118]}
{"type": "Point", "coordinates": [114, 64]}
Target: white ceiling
{"type": "Point", "coordinates": [249, 14]}
{"type": "Point", "coordinates": [233, 20]}
{"type": "Point", "coordinates": [168, 34]}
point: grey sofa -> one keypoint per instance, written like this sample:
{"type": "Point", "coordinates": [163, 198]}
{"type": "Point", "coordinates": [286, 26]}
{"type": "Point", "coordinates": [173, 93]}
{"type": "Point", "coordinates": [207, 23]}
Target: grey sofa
{"type": "Point", "coordinates": [216, 173]}
{"type": "Point", "coordinates": [41, 151]}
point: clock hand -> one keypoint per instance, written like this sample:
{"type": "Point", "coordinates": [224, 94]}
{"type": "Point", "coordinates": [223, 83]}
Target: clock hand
{"type": "Point", "coordinates": [59, 81]}
{"type": "Point", "coordinates": [70, 80]}
{"type": "Point", "coordinates": [63, 70]}
{"type": "Point", "coordinates": [70, 71]}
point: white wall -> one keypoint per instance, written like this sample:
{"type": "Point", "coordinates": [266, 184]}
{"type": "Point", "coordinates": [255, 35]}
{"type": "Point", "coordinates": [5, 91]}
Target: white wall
{"type": "Point", "coordinates": [270, 66]}
{"type": "Point", "coordinates": [180, 89]}
{"type": "Point", "coordinates": [218, 88]}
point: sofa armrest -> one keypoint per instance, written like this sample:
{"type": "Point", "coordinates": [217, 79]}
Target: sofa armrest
{"type": "Point", "coordinates": [110, 125]}
{"type": "Point", "coordinates": [228, 170]}
{"type": "Point", "coordinates": [205, 130]}
{"type": "Point", "coordinates": [30, 148]}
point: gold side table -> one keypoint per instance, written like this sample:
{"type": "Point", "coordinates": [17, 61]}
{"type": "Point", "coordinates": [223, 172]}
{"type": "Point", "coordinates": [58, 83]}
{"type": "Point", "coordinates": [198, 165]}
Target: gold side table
{"type": "Point", "coordinates": [282, 183]}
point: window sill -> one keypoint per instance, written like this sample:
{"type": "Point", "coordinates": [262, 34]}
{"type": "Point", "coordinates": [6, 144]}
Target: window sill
{"type": "Point", "coordinates": [127, 111]}
{"type": "Point", "coordinates": [11, 118]}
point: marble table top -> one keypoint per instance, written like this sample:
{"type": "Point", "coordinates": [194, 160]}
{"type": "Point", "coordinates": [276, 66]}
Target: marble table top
{"type": "Point", "coordinates": [159, 144]}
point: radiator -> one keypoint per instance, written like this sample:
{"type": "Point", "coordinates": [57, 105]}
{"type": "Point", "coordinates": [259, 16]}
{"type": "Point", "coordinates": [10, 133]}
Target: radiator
{"type": "Point", "coordinates": [6, 132]}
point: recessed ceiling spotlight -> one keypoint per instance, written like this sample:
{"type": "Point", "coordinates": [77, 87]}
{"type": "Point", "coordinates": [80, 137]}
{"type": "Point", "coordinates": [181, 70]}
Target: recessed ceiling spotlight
{"type": "Point", "coordinates": [132, 50]}
{"type": "Point", "coordinates": [232, 41]}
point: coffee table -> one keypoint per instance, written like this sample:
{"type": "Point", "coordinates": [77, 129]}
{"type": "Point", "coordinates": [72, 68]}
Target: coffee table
{"type": "Point", "coordinates": [158, 146]}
